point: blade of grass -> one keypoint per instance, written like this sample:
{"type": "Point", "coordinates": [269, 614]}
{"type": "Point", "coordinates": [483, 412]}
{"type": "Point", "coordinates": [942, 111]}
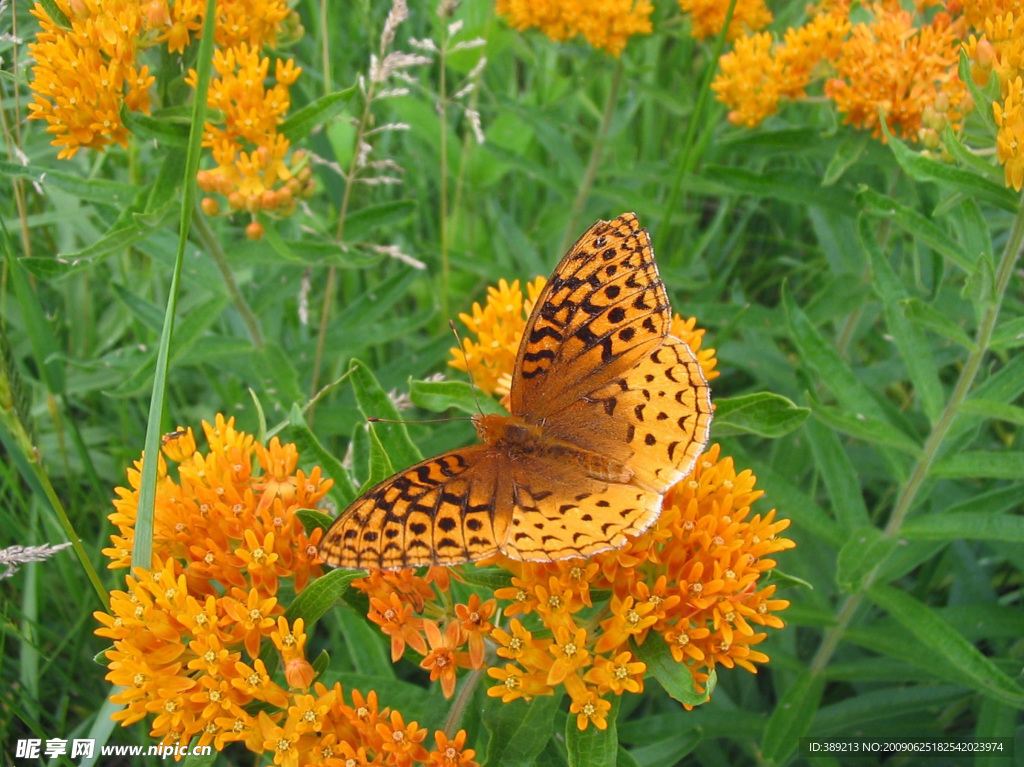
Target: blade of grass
{"type": "Point", "coordinates": [142, 552]}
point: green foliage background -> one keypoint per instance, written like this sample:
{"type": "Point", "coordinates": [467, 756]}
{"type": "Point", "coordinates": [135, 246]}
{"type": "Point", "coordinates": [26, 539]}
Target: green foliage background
{"type": "Point", "coordinates": [871, 286]}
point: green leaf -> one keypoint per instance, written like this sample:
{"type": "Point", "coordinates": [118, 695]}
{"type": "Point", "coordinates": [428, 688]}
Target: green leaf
{"type": "Point", "coordinates": [850, 149]}
{"type": "Point", "coordinates": [922, 168]}
{"type": "Point", "coordinates": [996, 411]}
{"type": "Point", "coordinates": [918, 226]}
{"type": "Point", "coordinates": [56, 14]}
{"type": "Point", "coordinates": [374, 401]}
{"type": "Point", "coordinates": [1009, 335]}
{"type": "Point", "coordinates": [438, 396]}
{"type": "Point", "coordinates": [826, 364]}
{"type": "Point", "coordinates": [370, 222]}
{"type": "Point", "coordinates": [965, 525]}
{"type": "Point", "coordinates": [785, 184]}
{"type": "Point", "coordinates": [994, 721]}
{"type": "Point", "coordinates": [764, 413]}
{"type": "Point", "coordinates": [791, 718]}
{"type": "Point", "coordinates": [945, 646]}
{"type": "Point", "coordinates": [668, 751]}
{"type": "Point", "coordinates": [593, 747]}
{"type": "Point", "coordinates": [490, 578]}
{"type": "Point", "coordinates": [867, 548]}
{"type": "Point", "coordinates": [164, 131]}
{"type": "Point", "coordinates": [519, 731]}
{"type": "Point", "coordinates": [983, 97]}
{"type": "Point", "coordinates": [99, 190]}
{"type": "Point", "coordinates": [301, 122]}
{"type": "Point", "coordinates": [674, 676]}
{"type": "Point", "coordinates": [321, 595]}
{"type": "Point", "coordinates": [979, 464]}
{"type": "Point", "coordinates": [977, 230]}
{"type": "Point", "coordinates": [116, 240]}
{"type": "Point", "coordinates": [313, 518]}
{"type": "Point", "coordinates": [840, 476]}
{"type": "Point", "coordinates": [867, 428]}
{"type": "Point", "coordinates": [980, 287]}
{"type": "Point", "coordinates": [380, 466]}
{"type": "Point", "coordinates": [912, 345]}
{"type": "Point", "coordinates": [927, 316]}
{"type": "Point", "coordinates": [969, 159]}
{"type": "Point", "coordinates": [40, 333]}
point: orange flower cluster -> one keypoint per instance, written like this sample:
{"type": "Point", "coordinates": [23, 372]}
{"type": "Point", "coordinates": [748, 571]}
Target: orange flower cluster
{"type": "Point", "coordinates": [191, 633]}
{"type": "Point", "coordinates": [903, 66]}
{"type": "Point", "coordinates": [85, 74]}
{"type": "Point", "coordinates": [692, 578]}
{"type": "Point", "coordinates": [258, 179]}
{"type": "Point", "coordinates": [899, 63]}
{"type": "Point", "coordinates": [418, 612]}
{"type": "Point", "coordinates": [606, 24]}
{"type": "Point", "coordinates": [498, 326]}
{"type": "Point", "coordinates": [708, 16]}
{"type": "Point", "coordinates": [1000, 51]}
{"type": "Point", "coordinates": [757, 74]}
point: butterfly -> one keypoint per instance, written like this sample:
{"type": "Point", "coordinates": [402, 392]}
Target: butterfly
{"type": "Point", "coordinates": [608, 410]}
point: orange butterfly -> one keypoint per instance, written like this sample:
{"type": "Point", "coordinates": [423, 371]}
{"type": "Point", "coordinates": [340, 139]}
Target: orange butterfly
{"type": "Point", "coordinates": [608, 411]}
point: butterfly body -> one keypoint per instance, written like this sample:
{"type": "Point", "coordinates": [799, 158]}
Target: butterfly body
{"type": "Point", "coordinates": [607, 411]}
{"type": "Point", "coordinates": [523, 441]}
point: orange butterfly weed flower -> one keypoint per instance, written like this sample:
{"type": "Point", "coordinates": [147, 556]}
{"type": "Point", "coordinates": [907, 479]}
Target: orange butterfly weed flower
{"type": "Point", "coordinates": [901, 63]}
{"type": "Point", "coordinates": [758, 73]}
{"type": "Point", "coordinates": [87, 71]}
{"type": "Point", "coordinates": [900, 66]}
{"type": "Point", "coordinates": [190, 634]}
{"type": "Point", "coordinates": [498, 326]}
{"type": "Point", "coordinates": [999, 51]}
{"type": "Point", "coordinates": [708, 16]}
{"type": "Point", "coordinates": [607, 25]}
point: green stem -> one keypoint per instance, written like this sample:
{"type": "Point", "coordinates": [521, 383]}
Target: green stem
{"type": "Point", "coordinates": [329, 288]}
{"type": "Point", "coordinates": [590, 175]}
{"type": "Point", "coordinates": [461, 702]}
{"type": "Point", "coordinates": [686, 160]}
{"type": "Point", "coordinates": [908, 495]}
{"type": "Point", "coordinates": [220, 258]}
{"type": "Point", "coordinates": [442, 109]}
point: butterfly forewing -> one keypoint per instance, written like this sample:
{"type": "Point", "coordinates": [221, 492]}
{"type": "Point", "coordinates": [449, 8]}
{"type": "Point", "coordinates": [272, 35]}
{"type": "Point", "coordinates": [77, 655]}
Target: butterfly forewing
{"type": "Point", "coordinates": [604, 308]}
{"type": "Point", "coordinates": [445, 510]}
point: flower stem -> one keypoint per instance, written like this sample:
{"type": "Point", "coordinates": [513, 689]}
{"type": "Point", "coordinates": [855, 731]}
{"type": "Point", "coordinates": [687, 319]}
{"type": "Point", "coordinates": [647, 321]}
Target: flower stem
{"type": "Point", "coordinates": [212, 245]}
{"type": "Point", "coordinates": [595, 159]}
{"type": "Point", "coordinates": [461, 702]}
{"type": "Point", "coordinates": [686, 160]}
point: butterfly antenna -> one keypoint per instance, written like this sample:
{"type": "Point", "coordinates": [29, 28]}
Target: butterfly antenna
{"type": "Point", "coordinates": [469, 372]}
{"type": "Point", "coordinates": [375, 419]}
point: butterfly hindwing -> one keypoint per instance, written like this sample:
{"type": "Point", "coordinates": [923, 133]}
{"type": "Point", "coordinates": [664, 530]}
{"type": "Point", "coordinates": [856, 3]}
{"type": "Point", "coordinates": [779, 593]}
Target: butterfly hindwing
{"type": "Point", "coordinates": [655, 417]}
{"type": "Point", "coordinates": [583, 516]}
